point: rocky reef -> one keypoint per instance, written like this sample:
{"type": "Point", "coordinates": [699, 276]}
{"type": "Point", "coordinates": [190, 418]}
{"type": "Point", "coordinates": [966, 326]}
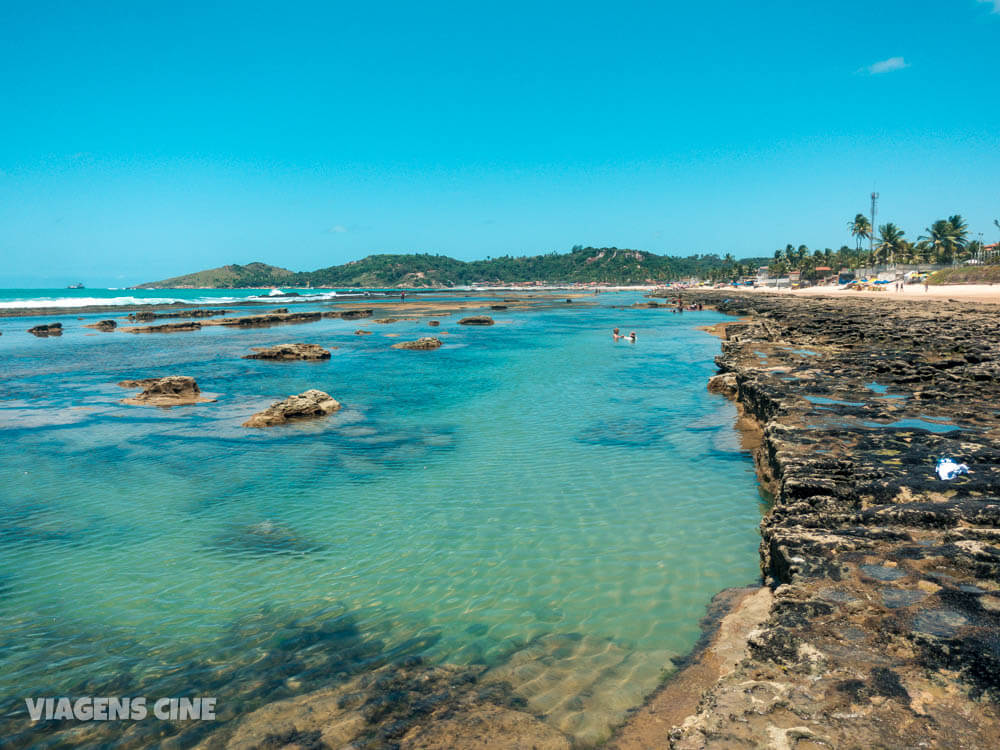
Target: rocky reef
{"type": "Point", "coordinates": [144, 316]}
{"type": "Point", "coordinates": [424, 342]}
{"type": "Point", "coordinates": [173, 390]}
{"type": "Point", "coordinates": [188, 325]}
{"type": "Point", "coordinates": [884, 628]}
{"type": "Point", "coordinates": [289, 352]}
{"type": "Point", "coordinates": [476, 320]}
{"type": "Point", "coordinates": [407, 705]}
{"type": "Point", "coordinates": [307, 405]}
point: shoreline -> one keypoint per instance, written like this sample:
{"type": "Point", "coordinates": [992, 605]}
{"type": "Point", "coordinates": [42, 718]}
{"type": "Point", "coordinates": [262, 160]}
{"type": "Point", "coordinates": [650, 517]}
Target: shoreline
{"type": "Point", "coordinates": [885, 579]}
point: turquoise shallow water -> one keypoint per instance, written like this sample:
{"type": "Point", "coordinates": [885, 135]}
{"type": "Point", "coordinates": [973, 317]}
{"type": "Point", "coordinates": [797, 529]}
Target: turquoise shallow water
{"type": "Point", "coordinates": [528, 485]}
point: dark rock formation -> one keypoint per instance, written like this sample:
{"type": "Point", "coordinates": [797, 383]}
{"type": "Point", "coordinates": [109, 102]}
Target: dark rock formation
{"type": "Point", "coordinates": [434, 323]}
{"type": "Point", "coordinates": [355, 314]}
{"type": "Point", "coordinates": [144, 316]}
{"type": "Point", "coordinates": [883, 630]}
{"type": "Point", "coordinates": [49, 329]}
{"type": "Point", "coordinates": [307, 405]}
{"type": "Point", "coordinates": [361, 332]}
{"type": "Point", "coordinates": [289, 352]}
{"type": "Point", "coordinates": [173, 390]}
{"type": "Point", "coordinates": [424, 342]}
{"type": "Point", "coordinates": [267, 319]}
{"type": "Point", "coordinates": [164, 328]}
{"type": "Point", "coordinates": [103, 325]}
{"type": "Point", "coordinates": [498, 307]}
{"type": "Point", "coordinates": [476, 320]}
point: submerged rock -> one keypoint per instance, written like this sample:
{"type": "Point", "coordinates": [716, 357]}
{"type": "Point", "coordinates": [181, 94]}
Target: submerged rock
{"type": "Point", "coordinates": [476, 320]}
{"type": "Point", "coordinates": [424, 342]}
{"type": "Point", "coordinates": [434, 323]}
{"type": "Point", "coordinates": [360, 332]}
{"type": "Point", "coordinates": [265, 538]}
{"type": "Point", "coordinates": [407, 705]}
{"type": "Point", "coordinates": [49, 329]}
{"type": "Point", "coordinates": [289, 352]}
{"type": "Point", "coordinates": [173, 390]}
{"type": "Point", "coordinates": [307, 405]}
{"type": "Point", "coordinates": [355, 314]}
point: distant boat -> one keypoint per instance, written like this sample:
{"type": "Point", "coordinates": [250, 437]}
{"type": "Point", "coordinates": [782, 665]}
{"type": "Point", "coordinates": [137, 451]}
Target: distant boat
{"type": "Point", "coordinates": [77, 285]}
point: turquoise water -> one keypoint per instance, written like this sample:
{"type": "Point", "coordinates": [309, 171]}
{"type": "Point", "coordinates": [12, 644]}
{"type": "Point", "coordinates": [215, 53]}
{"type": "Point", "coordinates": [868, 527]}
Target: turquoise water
{"type": "Point", "coordinates": [527, 486]}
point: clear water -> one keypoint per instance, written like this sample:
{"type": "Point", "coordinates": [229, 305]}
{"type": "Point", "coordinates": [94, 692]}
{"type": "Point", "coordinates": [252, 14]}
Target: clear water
{"type": "Point", "coordinates": [528, 485]}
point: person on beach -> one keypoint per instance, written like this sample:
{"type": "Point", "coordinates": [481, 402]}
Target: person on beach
{"type": "Point", "coordinates": [402, 296]}
{"type": "Point", "coordinates": [925, 285]}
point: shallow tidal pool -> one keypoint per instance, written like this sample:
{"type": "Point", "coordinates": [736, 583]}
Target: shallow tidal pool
{"type": "Point", "coordinates": [531, 493]}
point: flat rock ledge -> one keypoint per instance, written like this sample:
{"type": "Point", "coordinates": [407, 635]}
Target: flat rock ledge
{"type": "Point", "coordinates": [424, 342]}
{"type": "Point", "coordinates": [307, 405]}
{"type": "Point", "coordinates": [476, 320]}
{"type": "Point", "coordinates": [884, 626]}
{"type": "Point", "coordinates": [173, 390]}
{"type": "Point", "coordinates": [289, 352]}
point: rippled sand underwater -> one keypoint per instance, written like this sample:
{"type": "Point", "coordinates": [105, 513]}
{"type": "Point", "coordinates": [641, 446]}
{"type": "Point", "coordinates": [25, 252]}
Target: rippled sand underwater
{"type": "Point", "coordinates": [532, 499]}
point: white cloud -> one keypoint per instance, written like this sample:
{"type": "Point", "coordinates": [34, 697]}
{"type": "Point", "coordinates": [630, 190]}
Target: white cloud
{"type": "Point", "coordinates": [337, 229]}
{"type": "Point", "coordinates": [887, 66]}
{"type": "Point", "coordinates": [996, 4]}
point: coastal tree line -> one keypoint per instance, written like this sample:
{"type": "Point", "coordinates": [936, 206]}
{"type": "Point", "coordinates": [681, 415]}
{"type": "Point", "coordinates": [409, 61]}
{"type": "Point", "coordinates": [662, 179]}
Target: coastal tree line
{"type": "Point", "coordinates": [944, 242]}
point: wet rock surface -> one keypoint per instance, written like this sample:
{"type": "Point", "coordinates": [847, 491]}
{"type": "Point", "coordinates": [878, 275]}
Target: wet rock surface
{"type": "Point", "coordinates": [884, 629]}
{"type": "Point", "coordinates": [423, 343]}
{"type": "Point", "coordinates": [48, 329]}
{"type": "Point", "coordinates": [267, 319]}
{"type": "Point", "coordinates": [476, 320]}
{"type": "Point", "coordinates": [144, 316]}
{"type": "Point", "coordinates": [103, 325]}
{"type": "Point", "coordinates": [173, 390]}
{"type": "Point", "coordinates": [290, 352]}
{"type": "Point", "coordinates": [307, 405]}
{"type": "Point", "coordinates": [164, 328]}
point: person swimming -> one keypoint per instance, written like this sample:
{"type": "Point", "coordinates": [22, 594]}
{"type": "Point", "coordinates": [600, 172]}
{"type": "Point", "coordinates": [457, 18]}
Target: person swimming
{"type": "Point", "coordinates": [615, 335]}
{"type": "Point", "coordinates": [631, 336]}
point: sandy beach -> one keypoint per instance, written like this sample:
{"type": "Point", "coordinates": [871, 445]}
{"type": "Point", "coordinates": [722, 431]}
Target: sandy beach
{"type": "Point", "coordinates": [969, 292]}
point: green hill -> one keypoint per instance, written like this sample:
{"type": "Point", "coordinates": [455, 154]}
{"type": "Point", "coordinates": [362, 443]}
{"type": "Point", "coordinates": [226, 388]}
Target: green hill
{"type": "Point", "coordinates": [226, 277]}
{"type": "Point", "coordinates": [582, 264]}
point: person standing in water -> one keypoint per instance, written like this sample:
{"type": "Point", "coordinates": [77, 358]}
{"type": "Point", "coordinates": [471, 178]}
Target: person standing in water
{"type": "Point", "coordinates": [631, 337]}
{"type": "Point", "coordinates": [615, 335]}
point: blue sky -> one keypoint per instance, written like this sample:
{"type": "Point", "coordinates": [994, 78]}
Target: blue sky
{"type": "Point", "coordinates": [143, 140]}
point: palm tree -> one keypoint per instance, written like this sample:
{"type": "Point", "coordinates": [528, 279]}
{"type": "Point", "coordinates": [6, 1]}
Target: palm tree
{"type": "Point", "coordinates": [945, 237]}
{"type": "Point", "coordinates": [861, 228]}
{"type": "Point", "coordinates": [890, 239]}
{"type": "Point", "coordinates": [959, 230]}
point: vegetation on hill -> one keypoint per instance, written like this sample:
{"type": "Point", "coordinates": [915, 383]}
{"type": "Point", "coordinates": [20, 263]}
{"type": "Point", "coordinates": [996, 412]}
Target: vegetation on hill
{"type": "Point", "coordinates": [966, 275]}
{"type": "Point", "coordinates": [581, 264]}
{"type": "Point", "coordinates": [227, 277]}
